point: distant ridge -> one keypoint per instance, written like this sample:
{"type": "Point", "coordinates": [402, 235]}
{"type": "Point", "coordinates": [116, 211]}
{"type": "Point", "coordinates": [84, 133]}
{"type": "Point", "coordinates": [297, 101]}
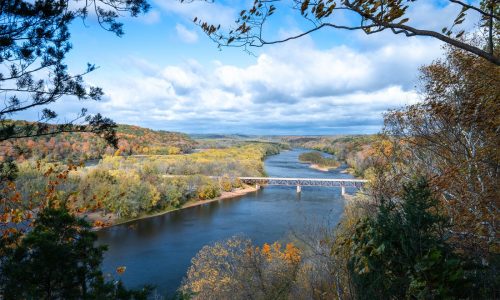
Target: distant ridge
{"type": "Point", "coordinates": [84, 146]}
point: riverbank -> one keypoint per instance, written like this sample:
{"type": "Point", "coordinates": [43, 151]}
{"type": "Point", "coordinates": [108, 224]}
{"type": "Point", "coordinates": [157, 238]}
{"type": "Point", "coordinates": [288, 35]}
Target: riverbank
{"type": "Point", "coordinates": [223, 196]}
{"type": "Point", "coordinates": [101, 220]}
{"type": "Point", "coordinates": [351, 171]}
{"type": "Point", "coordinates": [321, 168]}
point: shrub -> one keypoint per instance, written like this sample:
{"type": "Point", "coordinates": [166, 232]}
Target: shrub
{"type": "Point", "coordinates": [225, 183]}
{"type": "Point", "coordinates": [208, 190]}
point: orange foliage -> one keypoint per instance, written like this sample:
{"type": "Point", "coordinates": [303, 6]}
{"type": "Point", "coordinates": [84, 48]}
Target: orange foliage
{"type": "Point", "coordinates": [83, 146]}
{"type": "Point", "coordinates": [121, 270]}
{"type": "Point", "coordinates": [18, 213]}
{"type": "Point", "coordinates": [290, 254]}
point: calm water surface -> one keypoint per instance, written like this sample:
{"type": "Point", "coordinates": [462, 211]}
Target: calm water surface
{"type": "Point", "coordinates": [158, 250]}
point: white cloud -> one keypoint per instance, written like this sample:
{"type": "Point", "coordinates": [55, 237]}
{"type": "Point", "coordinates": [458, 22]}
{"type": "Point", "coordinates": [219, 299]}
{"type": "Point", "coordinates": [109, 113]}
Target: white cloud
{"type": "Point", "coordinates": [152, 17]}
{"type": "Point", "coordinates": [185, 34]}
{"type": "Point", "coordinates": [291, 88]}
{"type": "Point", "coordinates": [296, 87]}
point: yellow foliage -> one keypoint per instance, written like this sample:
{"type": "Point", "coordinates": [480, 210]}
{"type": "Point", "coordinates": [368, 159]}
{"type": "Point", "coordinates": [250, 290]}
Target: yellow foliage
{"type": "Point", "coordinates": [266, 251]}
{"type": "Point", "coordinates": [130, 174]}
{"type": "Point", "coordinates": [225, 183]}
{"type": "Point", "coordinates": [292, 253]}
{"type": "Point", "coordinates": [221, 271]}
{"type": "Point", "coordinates": [173, 150]}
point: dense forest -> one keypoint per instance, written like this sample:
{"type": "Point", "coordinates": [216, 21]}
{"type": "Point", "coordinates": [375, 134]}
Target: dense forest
{"type": "Point", "coordinates": [123, 187]}
{"type": "Point", "coordinates": [132, 140]}
{"type": "Point", "coordinates": [218, 141]}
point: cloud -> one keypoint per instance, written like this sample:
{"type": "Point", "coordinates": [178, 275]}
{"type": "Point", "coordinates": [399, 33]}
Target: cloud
{"type": "Point", "coordinates": [152, 17]}
{"type": "Point", "coordinates": [290, 88]}
{"type": "Point", "coordinates": [303, 71]}
{"type": "Point", "coordinates": [305, 86]}
{"type": "Point", "coordinates": [186, 35]}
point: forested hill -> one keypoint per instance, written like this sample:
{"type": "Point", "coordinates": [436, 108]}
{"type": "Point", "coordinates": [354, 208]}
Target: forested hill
{"type": "Point", "coordinates": [84, 146]}
{"type": "Point", "coordinates": [147, 141]}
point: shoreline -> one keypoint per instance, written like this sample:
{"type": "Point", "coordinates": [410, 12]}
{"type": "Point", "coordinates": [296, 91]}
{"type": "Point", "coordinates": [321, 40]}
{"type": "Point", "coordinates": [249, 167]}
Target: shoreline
{"type": "Point", "coordinates": [96, 216]}
{"type": "Point", "coordinates": [224, 195]}
{"type": "Point", "coordinates": [320, 168]}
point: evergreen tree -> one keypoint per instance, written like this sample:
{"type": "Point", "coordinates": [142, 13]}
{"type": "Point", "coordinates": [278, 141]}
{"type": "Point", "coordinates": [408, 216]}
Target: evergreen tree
{"type": "Point", "coordinates": [402, 251]}
{"type": "Point", "coordinates": [58, 260]}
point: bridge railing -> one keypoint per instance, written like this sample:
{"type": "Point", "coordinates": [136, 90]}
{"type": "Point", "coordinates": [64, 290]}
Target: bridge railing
{"type": "Point", "coordinates": [304, 181]}
{"type": "Point", "coordinates": [342, 183]}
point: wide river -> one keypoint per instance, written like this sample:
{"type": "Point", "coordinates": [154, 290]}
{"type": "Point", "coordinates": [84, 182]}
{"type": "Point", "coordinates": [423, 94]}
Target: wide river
{"type": "Point", "coordinates": [158, 250]}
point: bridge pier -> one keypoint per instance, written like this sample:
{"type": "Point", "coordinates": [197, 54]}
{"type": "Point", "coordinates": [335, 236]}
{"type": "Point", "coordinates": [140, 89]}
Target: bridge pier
{"type": "Point", "coordinates": [299, 189]}
{"type": "Point", "coordinates": [257, 186]}
{"type": "Point", "coordinates": [343, 190]}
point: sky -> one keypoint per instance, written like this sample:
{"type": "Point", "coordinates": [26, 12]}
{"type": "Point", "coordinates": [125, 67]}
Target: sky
{"type": "Point", "coordinates": [165, 73]}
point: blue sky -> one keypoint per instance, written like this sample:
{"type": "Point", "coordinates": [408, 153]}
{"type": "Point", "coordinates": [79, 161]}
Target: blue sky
{"type": "Point", "coordinates": [164, 73]}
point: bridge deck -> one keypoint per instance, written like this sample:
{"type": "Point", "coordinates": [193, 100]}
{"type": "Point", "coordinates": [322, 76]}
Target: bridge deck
{"type": "Point", "coordinates": [309, 179]}
{"type": "Point", "coordinates": [289, 181]}
{"type": "Point", "coordinates": [304, 181]}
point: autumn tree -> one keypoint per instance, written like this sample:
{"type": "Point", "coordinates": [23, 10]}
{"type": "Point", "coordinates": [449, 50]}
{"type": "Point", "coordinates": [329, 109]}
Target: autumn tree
{"type": "Point", "coordinates": [452, 138]}
{"type": "Point", "coordinates": [372, 16]}
{"type": "Point", "coordinates": [34, 41]}
{"type": "Point", "coordinates": [235, 269]}
{"type": "Point", "coordinates": [21, 204]}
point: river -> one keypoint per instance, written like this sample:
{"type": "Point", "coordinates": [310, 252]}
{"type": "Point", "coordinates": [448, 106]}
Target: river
{"type": "Point", "coordinates": [158, 250]}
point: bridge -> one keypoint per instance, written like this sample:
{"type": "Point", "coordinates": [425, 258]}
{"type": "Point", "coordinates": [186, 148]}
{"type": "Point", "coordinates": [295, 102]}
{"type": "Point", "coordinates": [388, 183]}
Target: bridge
{"type": "Point", "coordinates": [300, 182]}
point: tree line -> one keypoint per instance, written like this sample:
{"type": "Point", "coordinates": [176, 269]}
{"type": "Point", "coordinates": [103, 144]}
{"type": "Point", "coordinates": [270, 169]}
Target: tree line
{"type": "Point", "coordinates": [354, 150]}
{"type": "Point", "coordinates": [318, 159]}
{"type": "Point", "coordinates": [77, 147]}
{"type": "Point", "coordinates": [128, 187]}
